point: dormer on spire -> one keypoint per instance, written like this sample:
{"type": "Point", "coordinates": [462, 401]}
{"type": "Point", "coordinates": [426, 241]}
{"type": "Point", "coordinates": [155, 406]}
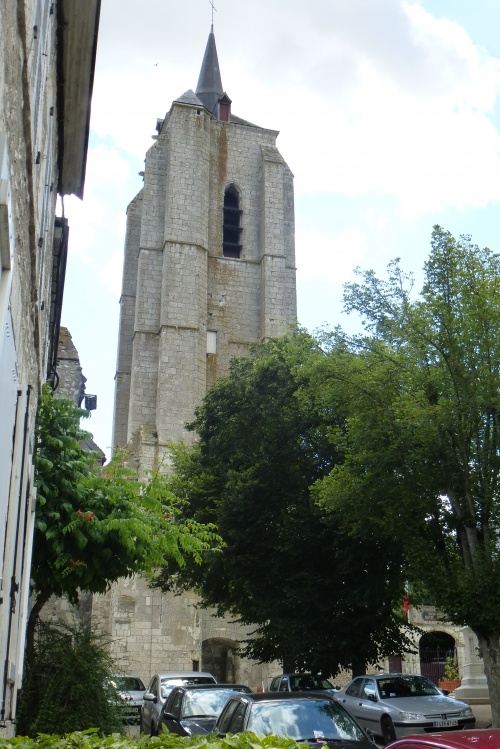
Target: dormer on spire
{"type": "Point", "coordinates": [209, 89]}
{"type": "Point", "coordinates": [224, 108]}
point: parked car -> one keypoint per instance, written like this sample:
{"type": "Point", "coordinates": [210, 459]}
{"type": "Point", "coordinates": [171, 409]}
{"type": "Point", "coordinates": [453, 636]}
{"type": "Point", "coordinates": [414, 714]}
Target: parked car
{"type": "Point", "coordinates": [301, 683]}
{"type": "Point", "coordinates": [483, 738]}
{"type": "Point", "coordinates": [308, 717]}
{"type": "Point", "coordinates": [158, 690]}
{"type": "Point", "coordinates": [131, 689]}
{"type": "Point", "coordinates": [397, 705]}
{"type": "Point", "coordinates": [194, 709]}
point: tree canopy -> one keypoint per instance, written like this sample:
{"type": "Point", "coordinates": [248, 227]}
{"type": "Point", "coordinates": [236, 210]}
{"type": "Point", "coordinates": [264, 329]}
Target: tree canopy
{"type": "Point", "coordinates": [421, 389]}
{"type": "Point", "coordinates": [287, 566]}
{"type": "Point", "coordinates": [95, 526]}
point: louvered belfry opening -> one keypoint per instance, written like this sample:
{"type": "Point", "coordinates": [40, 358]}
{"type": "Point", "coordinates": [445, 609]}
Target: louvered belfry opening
{"type": "Point", "coordinates": [231, 227]}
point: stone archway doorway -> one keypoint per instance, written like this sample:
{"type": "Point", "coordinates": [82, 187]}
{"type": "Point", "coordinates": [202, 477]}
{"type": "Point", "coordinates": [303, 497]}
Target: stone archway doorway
{"type": "Point", "coordinates": [218, 656]}
{"type": "Point", "coordinates": [434, 648]}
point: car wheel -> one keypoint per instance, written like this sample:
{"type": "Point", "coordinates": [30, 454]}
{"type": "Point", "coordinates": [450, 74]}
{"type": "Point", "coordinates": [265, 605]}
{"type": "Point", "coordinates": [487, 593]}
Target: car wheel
{"type": "Point", "coordinates": [388, 731]}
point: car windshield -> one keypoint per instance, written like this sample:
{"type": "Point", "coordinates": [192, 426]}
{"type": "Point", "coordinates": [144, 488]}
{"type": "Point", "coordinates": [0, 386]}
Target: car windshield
{"type": "Point", "coordinates": [304, 719]}
{"type": "Point", "coordinates": [168, 684]}
{"type": "Point", "coordinates": [206, 701]}
{"type": "Point", "coordinates": [129, 684]}
{"type": "Point", "coordinates": [405, 686]}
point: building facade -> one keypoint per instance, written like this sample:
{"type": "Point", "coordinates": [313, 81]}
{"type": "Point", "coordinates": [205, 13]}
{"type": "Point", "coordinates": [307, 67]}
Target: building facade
{"type": "Point", "coordinates": [47, 56]}
{"type": "Point", "coordinates": [436, 641]}
{"type": "Point", "coordinates": [209, 269]}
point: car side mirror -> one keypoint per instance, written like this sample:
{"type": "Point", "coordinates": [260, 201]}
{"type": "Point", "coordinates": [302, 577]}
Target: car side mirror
{"type": "Point", "coordinates": [372, 697]}
{"type": "Point", "coordinates": [149, 697]}
{"type": "Point", "coordinates": [169, 716]}
{"type": "Point", "coordinates": [445, 692]}
{"type": "Point", "coordinates": [370, 735]}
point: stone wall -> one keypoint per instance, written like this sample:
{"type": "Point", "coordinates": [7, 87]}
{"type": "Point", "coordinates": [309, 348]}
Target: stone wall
{"type": "Point", "coordinates": [28, 185]}
{"type": "Point", "coordinates": [47, 55]}
{"type": "Point", "coordinates": [71, 382]}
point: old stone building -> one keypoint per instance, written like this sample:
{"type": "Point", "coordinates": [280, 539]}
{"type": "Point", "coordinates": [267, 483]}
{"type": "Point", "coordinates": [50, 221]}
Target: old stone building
{"type": "Point", "coordinates": [47, 57]}
{"type": "Point", "coordinates": [70, 384]}
{"type": "Point", "coordinates": [209, 269]}
{"type": "Point", "coordinates": [435, 640]}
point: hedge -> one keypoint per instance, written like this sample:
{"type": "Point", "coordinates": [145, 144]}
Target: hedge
{"type": "Point", "coordinates": [91, 739]}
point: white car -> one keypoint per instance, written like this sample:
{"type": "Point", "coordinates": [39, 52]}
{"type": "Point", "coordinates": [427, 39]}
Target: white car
{"type": "Point", "coordinates": [158, 690]}
{"type": "Point", "coordinates": [398, 705]}
{"type": "Point", "coordinates": [131, 689]}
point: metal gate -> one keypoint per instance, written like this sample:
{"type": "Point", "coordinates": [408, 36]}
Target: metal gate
{"type": "Point", "coordinates": [432, 663]}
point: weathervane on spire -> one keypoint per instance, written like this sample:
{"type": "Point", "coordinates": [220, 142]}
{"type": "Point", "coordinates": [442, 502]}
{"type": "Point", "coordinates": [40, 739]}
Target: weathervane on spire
{"type": "Point", "coordinates": [213, 8]}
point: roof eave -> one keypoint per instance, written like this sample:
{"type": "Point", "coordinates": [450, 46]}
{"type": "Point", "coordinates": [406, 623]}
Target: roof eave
{"type": "Point", "coordinates": [78, 24]}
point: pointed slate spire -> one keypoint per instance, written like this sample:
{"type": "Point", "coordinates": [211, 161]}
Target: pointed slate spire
{"type": "Point", "coordinates": [209, 88]}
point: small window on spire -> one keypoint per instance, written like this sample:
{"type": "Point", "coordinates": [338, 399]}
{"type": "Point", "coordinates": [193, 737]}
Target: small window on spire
{"type": "Point", "coordinates": [231, 226]}
{"type": "Point", "coordinates": [224, 108]}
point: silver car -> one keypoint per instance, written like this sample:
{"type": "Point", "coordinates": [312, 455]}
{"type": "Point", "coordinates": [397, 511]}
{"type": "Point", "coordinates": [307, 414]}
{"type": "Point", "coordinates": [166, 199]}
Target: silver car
{"type": "Point", "coordinates": [158, 690]}
{"type": "Point", "coordinates": [398, 705]}
{"type": "Point", "coordinates": [131, 690]}
{"type": "Point", "coordinates": [301, 683]}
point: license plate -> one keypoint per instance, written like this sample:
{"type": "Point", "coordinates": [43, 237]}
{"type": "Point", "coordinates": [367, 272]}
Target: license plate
{"type": "Point", "coordinates": [445, 723]}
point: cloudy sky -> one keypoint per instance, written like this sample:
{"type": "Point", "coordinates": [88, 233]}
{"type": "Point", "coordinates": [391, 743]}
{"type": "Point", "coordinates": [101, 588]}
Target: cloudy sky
{"type": "Point", "coordinates": [389, 117]}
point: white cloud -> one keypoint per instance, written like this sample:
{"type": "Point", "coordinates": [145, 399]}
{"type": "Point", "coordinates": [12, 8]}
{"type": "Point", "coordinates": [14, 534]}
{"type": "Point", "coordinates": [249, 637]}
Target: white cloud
{"type": "Point", "coordinates": [328, 257]}
{"type": "Point", "coordinates": [110, 274]}
{"type": "Point", "coordinates": [106, 167]}
{"type": "Point", "coordinates": [100, 218]}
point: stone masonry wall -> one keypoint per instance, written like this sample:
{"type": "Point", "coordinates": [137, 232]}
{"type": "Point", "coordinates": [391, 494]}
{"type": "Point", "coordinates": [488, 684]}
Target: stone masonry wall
{"type": "Point", "coordinates": [127, 320]}
{"type": "Point", "coordinates": [71, 380]}
{"type": "Point", "coordinates": [28, 164]}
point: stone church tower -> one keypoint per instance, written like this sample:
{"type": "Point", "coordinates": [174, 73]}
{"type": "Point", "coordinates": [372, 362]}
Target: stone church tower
{"type": "Point", "coordinates": [209, 269]}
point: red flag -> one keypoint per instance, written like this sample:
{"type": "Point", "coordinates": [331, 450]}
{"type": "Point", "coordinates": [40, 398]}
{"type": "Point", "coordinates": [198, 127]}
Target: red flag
{"type": "Point", "coordinates": [406, 604]}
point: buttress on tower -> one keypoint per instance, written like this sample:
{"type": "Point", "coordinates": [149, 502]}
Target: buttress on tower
{"type": "Point", "coordinates": [209, 269]}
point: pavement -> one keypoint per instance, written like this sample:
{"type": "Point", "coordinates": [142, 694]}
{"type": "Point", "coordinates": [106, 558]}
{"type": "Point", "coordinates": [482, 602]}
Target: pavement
{"type": "Point", "coordinates": [483, 715]}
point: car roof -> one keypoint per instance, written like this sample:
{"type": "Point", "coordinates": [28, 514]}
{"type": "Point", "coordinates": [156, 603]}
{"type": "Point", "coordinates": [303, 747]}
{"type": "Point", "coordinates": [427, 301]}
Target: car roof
{"type": "Point", "coordinates": [288, 696]}
{"type": "Point", "coordinates": [210, 687]}
{"type": "Point", "coordinates": [389, 675]}
{"type": "Point", "coordinates": [301, 673]}
{"type": "Point", "coordinates": [183, 674]}
{"type": "Point", "coordinates": [487, 738]}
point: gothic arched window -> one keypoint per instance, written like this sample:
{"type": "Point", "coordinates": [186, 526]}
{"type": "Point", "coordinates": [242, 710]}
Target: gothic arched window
{"type": "Point", "coordinates": [231, 225]}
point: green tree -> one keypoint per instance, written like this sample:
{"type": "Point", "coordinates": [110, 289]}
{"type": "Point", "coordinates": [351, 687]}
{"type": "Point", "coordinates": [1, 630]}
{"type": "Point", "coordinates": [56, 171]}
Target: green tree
{"type": "Point", "coordinates": [319, 599]}
{"type": "Point", "coordinates": [92, 526]}
{"type": "Point", "coordinates": [422, 439]}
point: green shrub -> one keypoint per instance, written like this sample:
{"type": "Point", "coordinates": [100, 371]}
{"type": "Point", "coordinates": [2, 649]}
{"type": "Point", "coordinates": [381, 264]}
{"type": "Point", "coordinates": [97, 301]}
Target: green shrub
{"type": "Point", "coordinates": [91, 740]}
{"type": "Point", "coordinates": [66, 686]}
{"type": "Point", "coordinates": [451, 671]}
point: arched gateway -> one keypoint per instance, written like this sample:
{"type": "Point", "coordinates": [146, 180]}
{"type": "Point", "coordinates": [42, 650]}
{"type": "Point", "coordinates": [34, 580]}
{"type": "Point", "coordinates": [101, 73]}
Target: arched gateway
{"type": "Point", "coordinates": [434, 648]}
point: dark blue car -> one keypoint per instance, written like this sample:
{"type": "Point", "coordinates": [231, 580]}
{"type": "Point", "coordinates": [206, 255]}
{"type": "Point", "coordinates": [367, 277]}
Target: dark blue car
{"type": "Point", "coordinates": [194, 709]}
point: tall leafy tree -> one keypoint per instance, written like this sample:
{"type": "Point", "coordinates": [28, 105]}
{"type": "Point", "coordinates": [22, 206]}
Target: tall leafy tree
{"type": "Point", "coordinates": [319, 598]}
{"type": "Point", "coordinates": [422, 439]}
{"type": "Point", "coordinates": [94, 526]}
